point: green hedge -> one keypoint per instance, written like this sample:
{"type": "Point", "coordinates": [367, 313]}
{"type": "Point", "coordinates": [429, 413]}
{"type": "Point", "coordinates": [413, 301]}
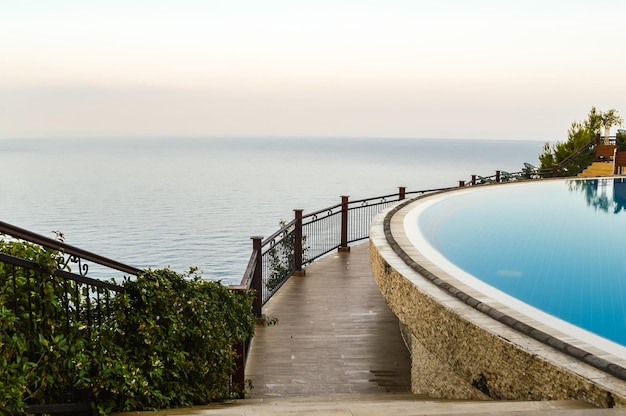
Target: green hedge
{"type": "Point", "coordinates": [168, 341]}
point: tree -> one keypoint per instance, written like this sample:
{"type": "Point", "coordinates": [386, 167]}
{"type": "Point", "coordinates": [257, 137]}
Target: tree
{"type": "Point", "coordinates": [579, 135]}
{"type": "Point", "coordinates": [609, 119]}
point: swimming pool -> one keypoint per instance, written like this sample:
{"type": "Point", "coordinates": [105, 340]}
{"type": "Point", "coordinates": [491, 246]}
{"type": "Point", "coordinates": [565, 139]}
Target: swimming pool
{"type": "Point", "coordinates": [555, 248]}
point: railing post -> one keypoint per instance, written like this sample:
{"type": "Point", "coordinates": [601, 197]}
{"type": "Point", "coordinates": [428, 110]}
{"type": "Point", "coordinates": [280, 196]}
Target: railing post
{"type": "Point", "coordinates": [344, 224]}
{"type": "Point", "coordinates": [257, 277]}
{"type": "Point", "coordinates": [297, 246]}
{"type": "Point", "coordinates": [461, 184]}
{"type": "Point", "coordinates": [401, 193]}
{"type": "Point", "coordinates": [239, 376]}
{"type": "Point", "coordinates": [473, 179]}
{"type": "Point", "coordinates": [497, 176]}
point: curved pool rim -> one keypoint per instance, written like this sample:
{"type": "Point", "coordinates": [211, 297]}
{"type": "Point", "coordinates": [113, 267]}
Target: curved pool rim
{"type": "Point", "coordinates": [578, 343]}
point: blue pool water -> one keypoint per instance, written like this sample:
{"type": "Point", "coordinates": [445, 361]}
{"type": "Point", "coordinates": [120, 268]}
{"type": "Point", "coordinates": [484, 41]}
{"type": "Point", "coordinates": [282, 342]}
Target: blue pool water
{"type": "Point", "coordinates": [559, 246]}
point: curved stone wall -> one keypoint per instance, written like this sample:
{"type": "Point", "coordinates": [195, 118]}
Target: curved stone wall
{"type": "Point", "coordinates": [459, 352]}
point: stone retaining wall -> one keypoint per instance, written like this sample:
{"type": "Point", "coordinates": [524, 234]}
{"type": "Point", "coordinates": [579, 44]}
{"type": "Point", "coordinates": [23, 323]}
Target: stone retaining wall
{"type": "Point", "coordinates": [455, 357]}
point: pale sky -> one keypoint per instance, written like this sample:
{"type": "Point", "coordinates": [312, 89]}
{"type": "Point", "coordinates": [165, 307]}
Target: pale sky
{"type": "Point", "coordinates": [508, 69]}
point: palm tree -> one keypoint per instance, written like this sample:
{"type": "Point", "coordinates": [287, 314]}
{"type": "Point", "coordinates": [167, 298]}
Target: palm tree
{"type": "Point", "coordinates": [609, 119]}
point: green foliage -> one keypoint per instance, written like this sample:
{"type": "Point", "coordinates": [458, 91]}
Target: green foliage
{"type": "Point", "coordinates": [579, 135]}
{"type": "Point", "coordinates": [620, 140]}
{"type": "Point", "coordinates": [31, 349]}
{"type": "Point", "coordinates": [15, 368]}
{"type": "Point", "coordinates": [610, 118]}
{"type": "Point", "coordinates": [168, 340]}
{"type": "Point", "coordinates": [282, 260]}
{"type": "Point", "coordinates": [282, 257]}
{"type": "Point", "coordinates": [179, 332]}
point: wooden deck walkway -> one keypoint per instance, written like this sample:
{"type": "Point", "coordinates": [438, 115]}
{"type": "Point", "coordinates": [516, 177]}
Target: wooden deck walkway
{"type": "Point", "coordinates": [335, 335]}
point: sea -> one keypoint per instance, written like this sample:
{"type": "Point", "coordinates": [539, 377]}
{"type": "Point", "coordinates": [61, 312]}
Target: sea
{"type": "Point", "coordinates": [195, 202]}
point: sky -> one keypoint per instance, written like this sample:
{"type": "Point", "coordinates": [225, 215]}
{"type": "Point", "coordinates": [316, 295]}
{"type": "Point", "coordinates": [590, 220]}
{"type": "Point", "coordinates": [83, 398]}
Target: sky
{"type": "Point", "coordinates": [323, 68]}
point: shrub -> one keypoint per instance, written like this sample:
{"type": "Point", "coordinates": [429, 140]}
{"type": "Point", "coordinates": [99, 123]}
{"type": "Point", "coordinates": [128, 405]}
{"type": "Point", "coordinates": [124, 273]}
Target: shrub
{"type": "Point", "coordinates": [167, 341]}
{"type": "Point", "coordinates": [178, 332]}
{"type": "Point", "coordinates": [31, 317]}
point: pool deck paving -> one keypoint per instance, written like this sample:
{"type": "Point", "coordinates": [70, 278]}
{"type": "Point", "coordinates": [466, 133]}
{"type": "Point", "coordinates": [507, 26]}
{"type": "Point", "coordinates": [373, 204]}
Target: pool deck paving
{"type": "Point", "coordinates": [337, 350]}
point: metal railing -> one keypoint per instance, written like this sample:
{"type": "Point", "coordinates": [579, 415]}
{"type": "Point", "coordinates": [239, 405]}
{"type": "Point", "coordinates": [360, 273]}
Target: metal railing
{"type": "Point", "coordinates": [54, 301]}
{"type": "Point", "coordinates": [308, 237]}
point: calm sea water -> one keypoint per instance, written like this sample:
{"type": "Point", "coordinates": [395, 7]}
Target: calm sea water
{"type": "Point", "coordinates": [196, 202]}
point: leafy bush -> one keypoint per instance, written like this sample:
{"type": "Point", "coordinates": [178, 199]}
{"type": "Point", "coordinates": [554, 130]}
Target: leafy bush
{"type": "Point", "coordinates": [31, 350]}
{"type": "Point", "coordinates": [282, 257]}
{"type": "Point", "coordinates": [167, 341]}
{"type": "Point", "coordinates": [178, 332]}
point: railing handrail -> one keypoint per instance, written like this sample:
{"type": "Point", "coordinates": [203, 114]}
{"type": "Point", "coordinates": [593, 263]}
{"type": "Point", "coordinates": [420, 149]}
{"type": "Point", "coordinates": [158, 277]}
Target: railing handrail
{"type": "Point", "coordinates": [277, 233]}
{"type": "Point", "coordinates": [426, 191]}
{"type": "Point", "coordinates": [360, 201]}
{"type": "Point", "coordinates": [320, 211]}
{"type": "Point", "coordinates": [246, 281]}
{"type": "Point", "coordinates": [22, 234]}
{"type": "Point", "coordinates": [17, 261]}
